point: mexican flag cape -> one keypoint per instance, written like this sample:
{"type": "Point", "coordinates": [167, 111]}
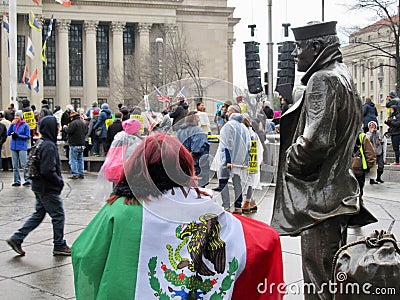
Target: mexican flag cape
{"type": "Point", "coordinates": [177, 246]}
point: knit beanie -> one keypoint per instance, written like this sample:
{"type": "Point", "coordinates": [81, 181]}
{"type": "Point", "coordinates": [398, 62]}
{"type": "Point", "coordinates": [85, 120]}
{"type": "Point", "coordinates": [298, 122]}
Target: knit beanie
{"type": "Point", "coordinates": [131, 126]}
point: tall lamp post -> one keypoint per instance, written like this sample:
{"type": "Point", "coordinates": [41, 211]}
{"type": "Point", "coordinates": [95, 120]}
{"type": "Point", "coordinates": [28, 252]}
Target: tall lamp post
{"type": "Point", "coordinates": [160, 42]}
{"type": "Point", "coordinates": [161, 63]}
{"type": "Point", "coordinates": [270, 55]}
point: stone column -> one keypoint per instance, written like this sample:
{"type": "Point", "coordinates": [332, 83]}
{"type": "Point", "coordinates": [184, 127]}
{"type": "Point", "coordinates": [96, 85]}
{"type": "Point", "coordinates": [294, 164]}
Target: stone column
{"type": "Point", "coordinates": [5, 71]}
{"type": "Point", "coordinates": [117, 67]}
{"type": "Point", "coordinates": [62, 72]}
{"type": "Point", "coordinates": [144, 43]}
{"type": "Point", "coordinates": [37, 63]}
{"type": "Point", "coordinates": [90, 65]}
{"type": "Point", "coordinates": [230, 62]}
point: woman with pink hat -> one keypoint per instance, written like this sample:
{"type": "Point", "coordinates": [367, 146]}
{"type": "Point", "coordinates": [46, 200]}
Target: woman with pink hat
{"type": "Point", "coordinates": [122, 147]}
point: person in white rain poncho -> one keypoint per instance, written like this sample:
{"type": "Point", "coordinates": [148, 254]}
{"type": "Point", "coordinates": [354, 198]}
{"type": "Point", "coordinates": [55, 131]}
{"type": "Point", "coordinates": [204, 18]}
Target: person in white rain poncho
{"type": "Point", "coordinates": [232, 157]}
{"type": "Point", "coordinates": [255, 160]}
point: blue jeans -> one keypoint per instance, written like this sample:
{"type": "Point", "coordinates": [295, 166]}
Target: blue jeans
{"type": "Point", "coordinates": [45, 203]}
{"type": "Point", "coordinates": [19, 158]}
{"type": "Point", "coordinates": [95, 148]}
{"type": "Point", "coordinates": [237, 187]}
{"type": "Point", "coordinates": [76, 160]}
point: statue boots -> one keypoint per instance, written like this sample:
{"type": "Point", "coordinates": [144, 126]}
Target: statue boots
{"type": "Point", "coordinates": [379, 179]}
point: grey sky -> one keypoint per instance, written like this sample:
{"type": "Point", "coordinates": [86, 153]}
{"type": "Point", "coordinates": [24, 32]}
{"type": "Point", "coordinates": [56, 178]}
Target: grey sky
{"type": "Point", "coordinates": [295, 12]}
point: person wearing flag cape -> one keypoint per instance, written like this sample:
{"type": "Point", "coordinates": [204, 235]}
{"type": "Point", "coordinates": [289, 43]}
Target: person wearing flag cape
{"type": "Point", "coordinates": [159, 237]}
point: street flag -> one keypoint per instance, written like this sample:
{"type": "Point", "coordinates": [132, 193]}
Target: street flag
{"type": "Point", "coordinates": [243, 252]}
{"type": "Point", "coordinates": [48, 34]}
{"type": "Point", "coordinates": [25, 78]}
{"type": "Point", "coordinates": [36, 1]}
{"type": "Point", "coordinates": [182, 94]}
{"type": "Point", "coordinates": [43, 53]}
{"type": "Point", "coordinates": [29, 49]}
{"type": "Point", "coordinates": [36, 86]}
{"type": "Point", "coordinates": [6, 25]}
{"type": "Point", "coordinates": [161, 97]}
{"type": "Point", "coordinates": [33, 78]}
{"type": "Point", "coordinates": [66, 3]}
{"type": "Point", "coordinates": [33, 21]}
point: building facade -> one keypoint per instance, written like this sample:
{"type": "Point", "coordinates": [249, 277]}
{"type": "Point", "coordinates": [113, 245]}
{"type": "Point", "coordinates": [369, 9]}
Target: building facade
{"type": "Point", "coordinates": [370, 66]}
{"type": "Point", "coordinates": [92, 42]}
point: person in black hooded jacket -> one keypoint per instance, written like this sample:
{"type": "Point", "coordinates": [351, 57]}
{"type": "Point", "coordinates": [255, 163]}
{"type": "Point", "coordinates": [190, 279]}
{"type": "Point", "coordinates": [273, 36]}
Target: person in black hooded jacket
{"type": "Point", "coordinates": [47, 189]}
{"type": "Point", "coordinates": [394, 129]}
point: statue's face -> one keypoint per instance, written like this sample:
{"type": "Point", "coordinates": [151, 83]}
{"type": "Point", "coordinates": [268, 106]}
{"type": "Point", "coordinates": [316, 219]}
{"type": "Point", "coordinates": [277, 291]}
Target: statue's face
{"type": "Point", "coordinates": [303, 55]}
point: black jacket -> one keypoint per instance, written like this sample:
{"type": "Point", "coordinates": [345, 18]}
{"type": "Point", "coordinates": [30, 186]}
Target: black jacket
{"type": "Point", "coordinates": [3, 133]}
{"type": "Point", "coordinates": [9, 114]}
{"type": "Point", "coordinates": [178, 114]}
{"type": "Point", "coordinates": [45, 111]}
{"type": "Point", "coordinates": [394, 122]}
{"type": "Point", "coordinates": [268, 112]}
{"type": "Point", "coordinates": [51, 181]}
{"type": "Point", "coordinates": [113, 129]}
{"type": "Point", "coordinates": [76, 132]}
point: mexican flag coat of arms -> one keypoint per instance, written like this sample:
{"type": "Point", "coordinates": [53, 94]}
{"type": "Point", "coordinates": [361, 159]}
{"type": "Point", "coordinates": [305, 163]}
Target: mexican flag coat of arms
{"type": "Point", "coordinates": [182, 246]}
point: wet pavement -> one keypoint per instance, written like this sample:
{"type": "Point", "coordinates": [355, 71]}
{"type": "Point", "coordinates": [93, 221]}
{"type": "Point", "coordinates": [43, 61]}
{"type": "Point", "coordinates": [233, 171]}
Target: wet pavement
{"type": "Point", "coordinates": [40, 275]}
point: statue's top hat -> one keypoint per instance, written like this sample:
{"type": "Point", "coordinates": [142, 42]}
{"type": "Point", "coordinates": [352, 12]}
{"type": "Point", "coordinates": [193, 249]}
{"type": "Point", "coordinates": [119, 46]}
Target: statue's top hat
{"type": "Point", "coordinates": [314, 29]}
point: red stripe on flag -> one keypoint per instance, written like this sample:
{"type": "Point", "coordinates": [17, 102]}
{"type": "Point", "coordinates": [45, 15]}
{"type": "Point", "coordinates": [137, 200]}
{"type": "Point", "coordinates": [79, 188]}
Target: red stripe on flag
{"type": "Point", "coordinates": [263, 263]}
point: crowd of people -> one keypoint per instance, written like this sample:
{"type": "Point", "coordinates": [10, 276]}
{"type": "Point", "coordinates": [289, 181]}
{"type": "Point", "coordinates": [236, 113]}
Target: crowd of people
{"type": "Point", "coordinates": [159, 222]}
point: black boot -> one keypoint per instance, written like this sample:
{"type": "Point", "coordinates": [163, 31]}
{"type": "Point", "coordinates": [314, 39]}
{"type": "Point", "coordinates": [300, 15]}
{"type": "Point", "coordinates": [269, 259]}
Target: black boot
{"type": "Point", "coordinates": [379, 172]}
{"type": "Point", "coordinates": [372, 181]}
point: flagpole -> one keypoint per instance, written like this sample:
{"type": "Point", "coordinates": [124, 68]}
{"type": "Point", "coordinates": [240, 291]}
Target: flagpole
{"type": "Point", "coordinates": [12, 12]}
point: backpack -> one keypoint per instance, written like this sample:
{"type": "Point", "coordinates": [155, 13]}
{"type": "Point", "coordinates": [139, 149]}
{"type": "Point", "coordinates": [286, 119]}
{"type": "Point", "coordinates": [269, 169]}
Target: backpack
{"type": "Point", "coordinates": [33, 162]}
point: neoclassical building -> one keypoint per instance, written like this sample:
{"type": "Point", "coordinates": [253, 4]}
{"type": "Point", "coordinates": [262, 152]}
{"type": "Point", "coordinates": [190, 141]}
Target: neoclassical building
{"type": "Point", "coordinates": [93, 40]}
{"type": "Point", "coordinates": [369, 66]}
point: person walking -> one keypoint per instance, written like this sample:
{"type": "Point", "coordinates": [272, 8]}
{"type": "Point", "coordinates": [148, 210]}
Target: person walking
{"type": "Point", "coordinates": [47, 189]}
{"type": "Point", "coordinates": [316, 196]}
{"type": "Point", "coordinates": [76, 131]}
{"type": "Point", "coordinates": [364, 159]}
{"type": "Point", "coordinates": [20, 134]}
{"type": "Point", "coordinates": [394, 130]}
{"type": "Point", "coordinates": [254, 169]}
{"type": "Point", "coordinates": [232, 157]}
{"type": "Point", "coordinates": [379, 142]}
{"type": "Point", "coordinates": [370, 113]}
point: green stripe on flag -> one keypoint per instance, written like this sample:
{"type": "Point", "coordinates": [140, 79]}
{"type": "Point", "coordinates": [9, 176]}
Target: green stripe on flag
{"type": "Point", "coordinates": [105, 256]}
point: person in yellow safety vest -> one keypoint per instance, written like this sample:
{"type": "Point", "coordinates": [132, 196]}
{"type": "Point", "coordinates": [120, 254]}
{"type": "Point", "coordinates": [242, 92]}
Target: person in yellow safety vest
{"type": "Point", "coordinates": [364, 159]}
{"type": "Point", "coordinates": [242, 104]}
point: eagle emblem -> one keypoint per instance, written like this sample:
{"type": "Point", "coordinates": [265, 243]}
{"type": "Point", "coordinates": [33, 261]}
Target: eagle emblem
{"type": "Point", "coordinates": [205, 248]}
{"type": "Point", "coordinates": [204, 242]}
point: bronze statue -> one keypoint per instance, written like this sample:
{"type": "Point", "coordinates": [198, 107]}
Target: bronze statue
{"type": "Point", "coordinates": [316, 195]}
